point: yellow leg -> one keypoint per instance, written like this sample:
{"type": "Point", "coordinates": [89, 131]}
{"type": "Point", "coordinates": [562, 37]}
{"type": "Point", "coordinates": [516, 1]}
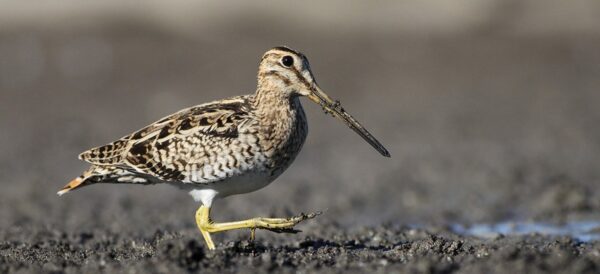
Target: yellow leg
{"type": "Point", "coordinates": [206, 226]}
{"type": "Point", "coordinates": [252, 234]}
{"type": "Point", "coordinates": [203, 219]}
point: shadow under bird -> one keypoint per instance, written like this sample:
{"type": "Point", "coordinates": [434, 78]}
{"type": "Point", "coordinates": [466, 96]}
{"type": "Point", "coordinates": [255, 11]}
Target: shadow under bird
{"type": "Point", "coordinates": [226, 147]}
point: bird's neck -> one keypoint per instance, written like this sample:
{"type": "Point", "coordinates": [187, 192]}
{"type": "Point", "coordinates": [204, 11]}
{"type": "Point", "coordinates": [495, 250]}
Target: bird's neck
{"type": "Point", "coordinates": [277, 115]}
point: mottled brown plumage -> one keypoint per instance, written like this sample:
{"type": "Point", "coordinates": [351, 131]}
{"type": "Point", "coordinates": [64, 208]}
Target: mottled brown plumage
{"type": "Point", "coordinates": [225, 147]}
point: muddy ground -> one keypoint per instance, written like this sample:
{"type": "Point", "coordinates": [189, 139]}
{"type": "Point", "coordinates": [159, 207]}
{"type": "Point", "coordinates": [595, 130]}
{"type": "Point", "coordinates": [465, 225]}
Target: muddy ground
{"type": "Point", "coordinates": [484, 125]}
{"type": "Point", "coordinates": [383, 249]}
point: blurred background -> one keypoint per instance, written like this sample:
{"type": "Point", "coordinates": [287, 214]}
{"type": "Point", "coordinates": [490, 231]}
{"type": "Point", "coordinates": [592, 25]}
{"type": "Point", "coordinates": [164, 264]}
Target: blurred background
{"type": "Point", "coordinates": [489, 108]}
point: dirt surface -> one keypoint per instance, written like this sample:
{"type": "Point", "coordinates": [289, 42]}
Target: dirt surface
{"type": "Point", "coordinates": [484, 125]}
{"type": "Point", "coordinates": [324, 249]}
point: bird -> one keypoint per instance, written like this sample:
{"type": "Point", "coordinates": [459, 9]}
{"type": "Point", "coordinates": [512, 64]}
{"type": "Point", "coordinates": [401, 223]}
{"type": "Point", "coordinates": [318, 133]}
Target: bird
{"type": "Point", "coordinates": [225, 147]}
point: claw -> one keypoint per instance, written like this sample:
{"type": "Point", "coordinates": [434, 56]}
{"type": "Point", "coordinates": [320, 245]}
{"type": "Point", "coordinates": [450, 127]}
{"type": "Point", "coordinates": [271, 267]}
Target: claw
{"type": "Point", "coordinates": [303, 216]}
{"type": "Point", "coordinates": [284, 230]}
{"type": "Point", "coordinates": [295, 220]}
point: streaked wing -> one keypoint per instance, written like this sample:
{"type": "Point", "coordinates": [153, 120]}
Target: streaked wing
{"type": "Point", "coordinates": [162, 149]}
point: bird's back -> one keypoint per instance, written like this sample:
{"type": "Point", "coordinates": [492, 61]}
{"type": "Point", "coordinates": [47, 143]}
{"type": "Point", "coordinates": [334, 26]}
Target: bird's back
{"type": "Point", "coordinates": [203, 144]}
{"type": "Point", "coordinates": [198, 144]}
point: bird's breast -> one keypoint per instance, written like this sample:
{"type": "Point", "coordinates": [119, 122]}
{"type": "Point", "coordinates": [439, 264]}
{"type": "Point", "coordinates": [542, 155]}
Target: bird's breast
{"type": "Point", "coordinates": [285, 140]}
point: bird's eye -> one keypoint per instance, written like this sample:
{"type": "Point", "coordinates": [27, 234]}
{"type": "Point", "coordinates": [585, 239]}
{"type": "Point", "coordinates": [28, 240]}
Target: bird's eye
{"type": "Point", "coordinates": [287, 61]}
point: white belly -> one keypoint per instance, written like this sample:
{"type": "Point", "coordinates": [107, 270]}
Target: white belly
{"type": "Point", "coordinates": [243, 183]}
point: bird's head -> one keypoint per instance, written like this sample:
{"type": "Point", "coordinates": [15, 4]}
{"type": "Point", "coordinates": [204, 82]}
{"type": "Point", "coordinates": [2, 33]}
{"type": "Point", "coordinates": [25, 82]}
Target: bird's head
{"type": "Point", "coordinates": [287, 71]}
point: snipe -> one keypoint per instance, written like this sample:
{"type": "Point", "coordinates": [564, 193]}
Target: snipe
{"type": "Point", "coordinates": [232, 146]}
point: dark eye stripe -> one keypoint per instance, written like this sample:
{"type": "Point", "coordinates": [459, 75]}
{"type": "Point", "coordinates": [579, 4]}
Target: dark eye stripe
{"type": "Point", "coordinates": [300, 77]}
{"type": "Point", "coordinates": [278, 75]}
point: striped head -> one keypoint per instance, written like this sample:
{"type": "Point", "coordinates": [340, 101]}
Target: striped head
{"type": "Point", "coordinates": [286, 70]}
{"type": "Point", "coordinates": [285, 73]}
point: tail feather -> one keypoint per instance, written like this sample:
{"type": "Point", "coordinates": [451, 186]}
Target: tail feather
{"type": "Point", "coordinates": [71, 185]}
{"type": "Point", "coordinates": [77, 182]}
{"type": "Point", "coordinates": [98, 174]}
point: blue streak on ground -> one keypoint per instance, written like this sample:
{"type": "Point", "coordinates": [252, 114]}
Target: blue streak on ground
{"type": "Point", "coordinates": [584, 231]}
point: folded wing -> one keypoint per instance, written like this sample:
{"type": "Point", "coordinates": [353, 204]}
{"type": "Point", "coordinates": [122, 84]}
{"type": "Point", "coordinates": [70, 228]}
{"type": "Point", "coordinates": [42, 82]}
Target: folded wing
{"type": "Point", "coordinates": [147, 150]}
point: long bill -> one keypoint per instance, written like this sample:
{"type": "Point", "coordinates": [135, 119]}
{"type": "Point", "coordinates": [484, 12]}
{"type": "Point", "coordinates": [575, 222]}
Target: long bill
{"type": "Point", "coordinates": [333, 107]}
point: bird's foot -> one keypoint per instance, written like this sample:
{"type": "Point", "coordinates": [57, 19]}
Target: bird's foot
{"type": "Point", "coordinates": [279, 225]}
{"type": "Point", "coordinates": [285, 225]}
